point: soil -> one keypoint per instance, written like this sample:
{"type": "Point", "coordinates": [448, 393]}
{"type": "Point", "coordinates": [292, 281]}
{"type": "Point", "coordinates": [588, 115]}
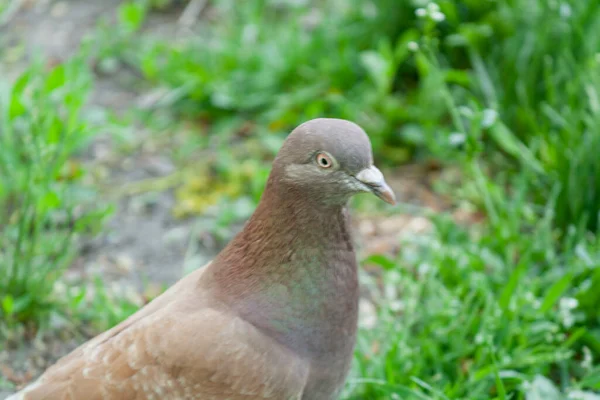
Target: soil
{"type": "Point", "coordinates": [142, 242]}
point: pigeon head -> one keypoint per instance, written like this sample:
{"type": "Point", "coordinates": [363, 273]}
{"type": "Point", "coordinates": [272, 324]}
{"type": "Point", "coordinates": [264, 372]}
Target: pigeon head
{"type": "Point", "coordinates": [329, 160]}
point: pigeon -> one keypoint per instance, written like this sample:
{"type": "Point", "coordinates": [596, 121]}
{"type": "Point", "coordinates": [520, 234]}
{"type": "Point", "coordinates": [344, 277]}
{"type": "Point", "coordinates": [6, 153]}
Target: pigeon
{"type": "Point", "coordinates": [272, 316]}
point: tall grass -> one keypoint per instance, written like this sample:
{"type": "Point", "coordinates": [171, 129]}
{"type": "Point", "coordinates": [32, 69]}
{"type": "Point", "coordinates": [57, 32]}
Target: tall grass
{"type": "Point", "coordinates": [41, 212]}
{"type": "Point", "coordinates": [503, 310]}
{"type": "Point", "coordinates": [543, 77]}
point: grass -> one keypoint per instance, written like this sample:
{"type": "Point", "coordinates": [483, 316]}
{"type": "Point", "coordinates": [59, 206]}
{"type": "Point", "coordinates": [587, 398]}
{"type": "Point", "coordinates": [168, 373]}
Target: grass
{"type": "Point", "coordinates": [507, 91]}
{"type": "Point", "coordinates": [41, 198]}
{"type": "Point", "coordinates": [470, 305]}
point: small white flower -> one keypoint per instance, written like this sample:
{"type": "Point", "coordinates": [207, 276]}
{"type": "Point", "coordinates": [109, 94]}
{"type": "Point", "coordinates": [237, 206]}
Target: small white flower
{"type": "Point", "coordinates": [250, 33]}
{"type": "Point", "coordinates": [433, 7]}
{"type": "Point", "coordinates": [489, 117]}
{"type": "Point", "coordinates": [566, 306]}
{"type": "Point", "coordinates": [420, 12]}
{"type": "Point", "coordinates": [397, 306]}
{"type": "Point", "coordinates": [585, 285]}
{"type": "Point", "coordinates": [367, 314]}
{"type": "Point", "coordinates": [60, 288]}
{"type": "Point", "coordinates": [438, 16]}
{"type": "Point", "coordinates": [569, 303]}
{"type": "Point", "coordinates": [391, 292]}
{"type": "Point", "coordinates": [581, 395]}
{"type": "Point", "coordinates": [457, 138]}
{"type": "Point", "coordinates": [369, 10]}
{"type": "Point", "coordinates": [424, 268]}
{"type": "Point", "coordinates": [465, 111]}
{"type": "Point", "coordinates": [479, 338]}
{"type": "Point", "coordinates": [413, 46]}
{"type": "Point", "coordinates": [568, 320]}
{"type": "Point", "coordinates": [586, 363]}
{"type": "Point", "coordinates": [582, 253]}
{"type": "Point", "coordinates": [529, 296]}
{"type": "Point", "coordinates": [565, 10]}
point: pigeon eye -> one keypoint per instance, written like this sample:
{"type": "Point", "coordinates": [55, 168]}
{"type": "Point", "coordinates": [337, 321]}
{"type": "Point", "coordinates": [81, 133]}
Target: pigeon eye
{"type": "Point", "coordinates": [323, 160]}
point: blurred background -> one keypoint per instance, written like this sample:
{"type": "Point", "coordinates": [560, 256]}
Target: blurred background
{"type": "Point", "coordinates": [136, 138]}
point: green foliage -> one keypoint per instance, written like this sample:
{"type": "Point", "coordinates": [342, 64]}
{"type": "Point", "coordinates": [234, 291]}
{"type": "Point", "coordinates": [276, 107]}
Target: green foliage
{"type": "Point", "coordinates": [41, 197]}
{"type": "Point", "coordinates": [489, 312]}
{"type": "Point", "coordinates": [539, 70]}
{"type": "Point", "coordinates": [470, 314]}
{"type": "Point", "coordinates": [532, 66]}
{"type": "Point", "coordinates": [101, 307]}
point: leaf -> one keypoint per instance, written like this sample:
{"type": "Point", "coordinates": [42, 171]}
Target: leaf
{"type": "Point", "coordinates": [8, 305]}
{"type": "Point", "coordinates": [509, 142]}
{"type": "Point", "coordinates": [402, 50]}
{"type": "Point", "coordinates": [21, 83]}
{"type": "Point", "coordinates": [380, 260]}
{"type": "Point", "coordinates": [379, 69]}
{"type": "Point", "coordinates": [131, 16]}
{"type": "Point", "coordinates": [499, 384]}
{"type": "Point", "coordinates": [590, 297]}
{"type": "Point", "coordinates": [457, 76]}
{"type": "Point", "coordinates": [555, 292]}
{"type": "Point", "coordinates": [78, 298]}
{"type": "Point", "coordinates": [591, 380]}
{"type": "Point", "coordinates": [511, 287]}
{"type": "Point", "coordinates": [54, 131]}
{"type": "Point", "coordinates": [22, 303]}
{"type": "Point", "coordinates": [574, 337]}
{"type": "Point", "coordinates": [16, 107]}
{"type": "Point", "coordinates": [55, 79]}
{"type": "Point", "coordinates": [50, 200]}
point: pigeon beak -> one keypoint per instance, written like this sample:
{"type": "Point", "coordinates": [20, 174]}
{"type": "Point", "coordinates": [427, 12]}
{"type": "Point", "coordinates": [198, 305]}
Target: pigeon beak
{"type": "Point", "coordinates": [373, 179]}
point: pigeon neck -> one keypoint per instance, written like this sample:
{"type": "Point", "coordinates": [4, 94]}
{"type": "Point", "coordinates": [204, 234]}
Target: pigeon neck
{"type": "Point", "coordinates": [292, 272]}
{"type": "Point", "coordinates": [286, 235]}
